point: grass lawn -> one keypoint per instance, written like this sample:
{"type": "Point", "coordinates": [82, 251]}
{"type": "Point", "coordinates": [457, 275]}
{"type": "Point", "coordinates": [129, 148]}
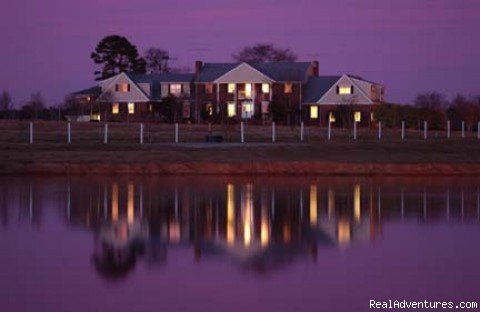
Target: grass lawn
{"type": "Point", "coordinates": [50, 145]}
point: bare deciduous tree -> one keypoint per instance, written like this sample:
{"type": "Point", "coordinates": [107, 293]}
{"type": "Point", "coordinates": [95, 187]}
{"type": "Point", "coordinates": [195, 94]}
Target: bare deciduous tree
{"type": "Point", "coordinates": [157, 61]}
{"type": "Point", "coordinates": [264, 52]}
{"type": "Point", "coordinates": [5, 101]}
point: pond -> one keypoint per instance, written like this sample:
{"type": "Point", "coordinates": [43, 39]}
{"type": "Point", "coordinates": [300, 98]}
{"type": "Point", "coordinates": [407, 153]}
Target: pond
{"type": "Point", "coordinates": [136, 243]}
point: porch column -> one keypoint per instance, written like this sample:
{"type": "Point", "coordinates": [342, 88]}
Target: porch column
{"type": "Point", "coordinates": [218, 98]}
{"type": "Point", "coordinates": [271, 91]}
{"type": "Point", "coordinates": [235, 100]}
{"type": "Point", "coordinates": [254, 96]}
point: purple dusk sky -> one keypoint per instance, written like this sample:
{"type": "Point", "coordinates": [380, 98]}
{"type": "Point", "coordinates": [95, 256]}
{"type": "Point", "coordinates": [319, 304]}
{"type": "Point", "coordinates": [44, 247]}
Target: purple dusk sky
{"type": "Point", "coordinates": [410, 46]}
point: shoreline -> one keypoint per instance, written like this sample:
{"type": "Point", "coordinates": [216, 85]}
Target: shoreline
{"type": "Point", "coordinates": [292, 168]}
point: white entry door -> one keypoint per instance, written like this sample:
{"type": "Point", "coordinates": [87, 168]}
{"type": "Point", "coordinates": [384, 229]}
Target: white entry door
{"type": "Point", "coordinates": [247, 109]}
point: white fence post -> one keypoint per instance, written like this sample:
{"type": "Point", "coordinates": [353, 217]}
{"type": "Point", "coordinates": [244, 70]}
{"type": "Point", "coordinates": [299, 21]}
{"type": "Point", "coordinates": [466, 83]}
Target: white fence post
{"type": "Point", "coordinates": [379, 130]}
{"type": "Point", "coordinates": [31, 132]}
{"type": "Point", "coordinates": [463, 129]}
{"type": "Point", "coordinates": [403, 130]}
{"type": "Point", "coordinates": [354, 130]}
{"type": "Point", "coordinates": [69, 133]}
{"type": "Point", "coordinates": [448, 129]}
{"type": "Point", "coordinates": [141, 133]}
{"type": "Point", "coordinates": [273, 131]}
{"type": "Point", "coordinates": [301, 131]}
{"type": "Point", "coordinates": [329, 130]}
{"type": "Point", "coordinates": [242, 138]}
{"type": "Point", "coordinates": [105, 134]}
{"type": "Point", "coordinates": [176, 132]}
{"type": "Point", "coordinates": [425, 127]}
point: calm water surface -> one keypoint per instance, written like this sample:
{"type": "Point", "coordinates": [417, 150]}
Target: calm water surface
{"type": "Point", "coordinates": [235, 244]}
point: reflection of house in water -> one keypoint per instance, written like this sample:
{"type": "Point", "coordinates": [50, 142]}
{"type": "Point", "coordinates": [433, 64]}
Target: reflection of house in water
{"type": "Point", "coordinates": [258, 224]}
{"type": "Point", "coordinates": [259, 228]}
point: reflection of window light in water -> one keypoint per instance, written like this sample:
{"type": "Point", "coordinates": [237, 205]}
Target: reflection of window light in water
{"type": "Point", "coordinates": [343, 232]}
{"type": "Point", "coordinates": [264, 227]}
{"type": "Point", "coordinates": [114, 202]}
{"type": "Point", "coordinates": [130, 206]}
{"type": "Point", "coordinates": [313, 206]}
{"type": "Point", "coordinates": [331, 202]}
{"type": "Point", "coordinates": [174, 231]}
{"type": "Point", "coordinates": [247, 207]}
{"type": "Point", "coordinates": [356, 202]}
{"type": "Point", "coordinates": [230, 214]}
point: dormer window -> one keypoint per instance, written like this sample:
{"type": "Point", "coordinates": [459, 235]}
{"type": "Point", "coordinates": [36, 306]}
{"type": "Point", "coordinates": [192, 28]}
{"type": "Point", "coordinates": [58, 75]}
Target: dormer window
{"type": "Point", "coordinates": [122, 87]}
{"type": "Point", "coordinates": [343, 90]}
{"type": "Point", "coordinates": [175, 88]}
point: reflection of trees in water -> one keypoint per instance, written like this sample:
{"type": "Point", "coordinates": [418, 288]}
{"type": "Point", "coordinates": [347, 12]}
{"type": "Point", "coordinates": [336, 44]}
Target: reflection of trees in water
{"type": "Point", "coordinates": [259, 224]}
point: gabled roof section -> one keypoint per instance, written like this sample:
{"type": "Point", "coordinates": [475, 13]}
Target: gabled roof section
{"type": "Point", "coordinates": [360, 78]}
{"type": "Point", "coordinates": [244, 72]}
{"type": "Point", "coordinates": [277, 71]}
{"type": "Point", "coordinates": [212, 71]}
{"type": "Point", "coordinates": [317, 86]}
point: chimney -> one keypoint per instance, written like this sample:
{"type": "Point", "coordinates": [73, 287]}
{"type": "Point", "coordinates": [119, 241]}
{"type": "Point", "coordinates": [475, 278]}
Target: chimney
{"type": "Point", "coordinates": [315, 68]}
{"type": "Point", "coordinates": [198, 67]}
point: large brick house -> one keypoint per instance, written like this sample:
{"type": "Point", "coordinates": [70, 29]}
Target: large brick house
{"type": "Point", "coordinates": [222, 92]}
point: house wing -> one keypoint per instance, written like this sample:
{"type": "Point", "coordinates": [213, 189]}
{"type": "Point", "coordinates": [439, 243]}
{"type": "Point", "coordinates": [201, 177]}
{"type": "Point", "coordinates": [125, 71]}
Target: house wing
{"type": "Point", "coordinates": [358, 97]}
{"type": "Point", "coordinates": [134, 95]}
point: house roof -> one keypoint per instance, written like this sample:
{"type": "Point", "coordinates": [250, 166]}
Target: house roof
{"type": "Point", "coordinates": [212, 71]}
{"type": "Point", "coordinates": [165, 77]}
{"type": "Point", "coordinates": [360, 78]}
{"type": "Point", "coordinates": [278, 71]}
{"type": "Point", "coordinates": [90, 91]}
{"type": "Point", "coordinates": [284, 71]}
{"type": "Point", "coordinates": [317, 86]}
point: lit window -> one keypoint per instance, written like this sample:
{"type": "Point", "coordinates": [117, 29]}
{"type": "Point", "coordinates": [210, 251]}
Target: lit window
{"type": "Point", "coordinates": [265, 107]}
{"type": "Point", "coordinates": [115, 108]}
{"type": "Point", "coordinates": [150, 108]}
{"type": "Point", "coordinates": [131, 108]}
{"type": "Point", "coordinates": [248, 107]}
{"type": "Point", "coordinates": [248, 90]}
{"type": "Point", "coordinates": [122, 87]}
{"type": "Point", "coordinates": [247, 110]}
{"type": "Point", "coordinates": [231, 88]}
{"type": "Point", "coordinates": [176, 89]}
{"type": "Point", "coordinates": [344, 90]}
{"type": "Point", "coordinates": [358, 116]}
{"type": "Point", "coordinates": [265, 88]}
{"type": "Point", "coordinates": [209, 88]}
{"type": "Point", "coordinates": [209, 109]}
{"type": "Point", "coordinates": [331, 117]}
{"type": "Point", "coordinates": [287, 88]}
{"type": "Point", "coordinates": [231, 109]}
{"type": "Point", "coordinates": [313, 112]}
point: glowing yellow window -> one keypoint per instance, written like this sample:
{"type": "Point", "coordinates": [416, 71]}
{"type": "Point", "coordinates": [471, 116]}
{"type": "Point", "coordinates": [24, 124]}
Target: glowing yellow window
{"type": "Point", "coordinates": [314, 112]}
{"type": "Point", "coordinates": [231, 109]}
{"type": "Point", "coordinates": [231, 87]}
{"type": "Point", "coordinates": [265, 88]}
{"type": "Point", "coordinates": [209, 109]}
{"type": "Point", "coordinates": [358, 116]}
{"type": "Point", "coordinates": [344, 90]}
{"type": "Point", "coordinates": [248, 107]}
{"type": "Point", "coordinates": [115, 108]}
{"type": "Point", "coordinates": [331, 117]}
{"type": "Point", "coordinates": [287, 88]}
{"type": "Point", "coordinates": [131, 108]}
{"type": "Point", "coordinates": [248, 90]}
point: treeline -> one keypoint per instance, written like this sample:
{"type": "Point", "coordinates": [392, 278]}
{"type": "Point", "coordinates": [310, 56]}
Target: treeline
{"type": "Point", "coordinates": [434, 109]}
